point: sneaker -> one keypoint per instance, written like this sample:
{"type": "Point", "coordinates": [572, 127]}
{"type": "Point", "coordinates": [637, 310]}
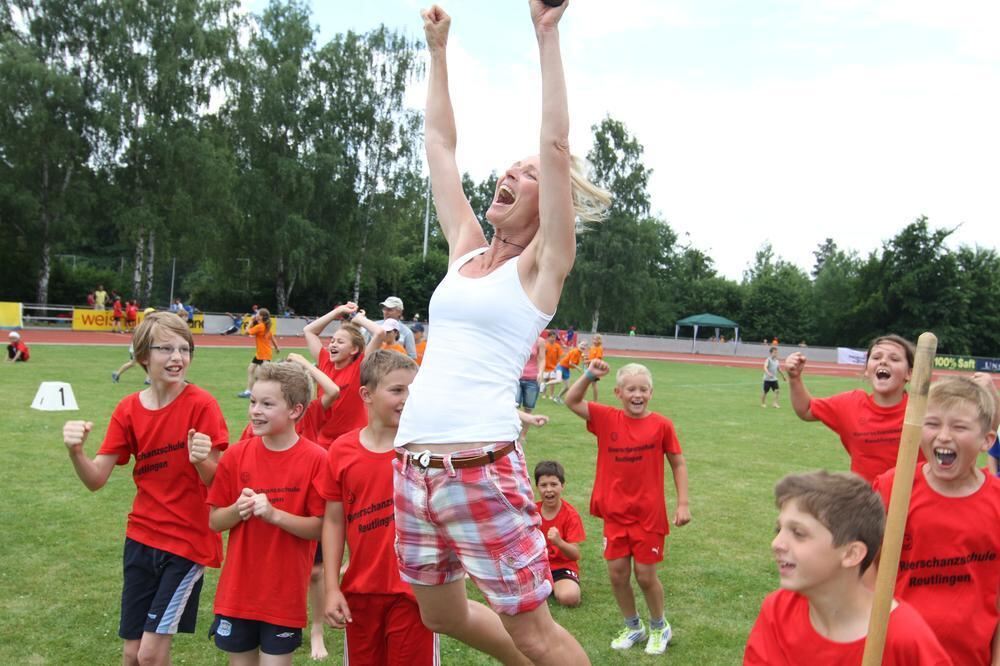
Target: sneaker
{"type": "Point", "coordinates": [147, 382]}
{"type": "Point", "coordinates": [658, 639]}
{"type": "Point", "coordinates": [114, 377]}
{"type": "Point", "coordinates": [629, 637]}
{"type": "Point", "coordinates": [243, 394]}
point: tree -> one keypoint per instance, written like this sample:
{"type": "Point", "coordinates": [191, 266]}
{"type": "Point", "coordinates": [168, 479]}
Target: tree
{"type": "Point", "coordinates": [777, 299]}
{"type": "Point", "coordinates": [835, 291]}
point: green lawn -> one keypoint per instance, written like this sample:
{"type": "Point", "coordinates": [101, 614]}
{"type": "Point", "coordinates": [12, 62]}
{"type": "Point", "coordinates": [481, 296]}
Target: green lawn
{"type": "Point", "coordinates": [60, 564]}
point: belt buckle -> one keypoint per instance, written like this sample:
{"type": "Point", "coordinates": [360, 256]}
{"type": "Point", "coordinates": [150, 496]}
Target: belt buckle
{"type": "Point", "coordinates": [423, 458]}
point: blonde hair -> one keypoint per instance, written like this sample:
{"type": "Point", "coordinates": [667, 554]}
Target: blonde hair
{"type": "Point", "coordinates": [951, 393]}
{"type": "Point", "coordinates": [354, 333]}
{"type": "Point", "coordinates": [142, 339]}
{"type": "Point", "coordinates": [596, 339]}
{"type": "Point", "coordinates": [631, 370]}
{"type": "Point", "coordinates": [380, 363]}
{"type": "Point", "coordinates": [295, 382]}
{"type": "Point", "coordinates": [590, 201]}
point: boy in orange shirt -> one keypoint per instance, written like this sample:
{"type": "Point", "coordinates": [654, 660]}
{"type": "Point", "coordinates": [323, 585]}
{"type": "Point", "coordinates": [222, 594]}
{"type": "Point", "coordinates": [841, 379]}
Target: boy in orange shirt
{"type": "Point", "coordinates": [264, 494]}
{"type": "Point", "coordinates": [263, 339]}
{"type": "Point", "coordinates": [374, 605]}
{"type": "Point", "coordinates": [175, 431]}
{"type": "Point", "coordinates": [570, 360]}
{"type": "Point", "coordinates": [419, 341]}
{"type": "Point", "coordinates": [391, 328]}
{"type": "Point", "coordinates": [553, 352]}
{"type": "Point", "coordinates": [948, 569]}
{"type": "Point", "coordinates": [628, 493]}
{"type": "Point", "coordinates": [595, 352]}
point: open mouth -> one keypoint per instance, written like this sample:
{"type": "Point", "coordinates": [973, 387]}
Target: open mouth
{"type": "Point", "coordinates": [785, 567]}
{"type": "Point", "coordinates": [883, 373]}
{"type": "Point", "coordinates": [505, 195]}
{"type": "Point", "coordinates": [945, 457]}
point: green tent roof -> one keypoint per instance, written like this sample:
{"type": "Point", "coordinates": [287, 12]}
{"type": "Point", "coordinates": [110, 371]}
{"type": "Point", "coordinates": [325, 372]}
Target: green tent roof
{"type": "Point", "coordinates": [706, 319]}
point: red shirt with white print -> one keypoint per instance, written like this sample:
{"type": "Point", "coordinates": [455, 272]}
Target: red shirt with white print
{"type": "Point", "coordinates": [628, 488]}
{"type": "Point", "coordinates": [169, 510]}
{"type": "Point", "coordinates": [266, 573]}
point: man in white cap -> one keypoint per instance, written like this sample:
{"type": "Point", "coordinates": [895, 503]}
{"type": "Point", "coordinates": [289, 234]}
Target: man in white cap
{"type": "Point", "coordinates": [16, 349]}
{"type": "Point", "coordinates": [392, 308]}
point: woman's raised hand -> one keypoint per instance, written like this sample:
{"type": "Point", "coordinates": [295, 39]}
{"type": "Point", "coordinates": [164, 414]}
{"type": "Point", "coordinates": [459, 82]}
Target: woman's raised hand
{"type": "Point", "coordinates": [436, 25]}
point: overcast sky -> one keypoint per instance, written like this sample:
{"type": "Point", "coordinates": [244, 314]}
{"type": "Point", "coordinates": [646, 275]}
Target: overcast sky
{"type": "Point", "coordinates": [776, 121]}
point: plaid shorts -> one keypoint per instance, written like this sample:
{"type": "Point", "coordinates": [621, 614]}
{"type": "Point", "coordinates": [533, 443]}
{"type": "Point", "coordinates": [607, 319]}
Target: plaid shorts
{"type": "Point", "coordinates": [480, 520]}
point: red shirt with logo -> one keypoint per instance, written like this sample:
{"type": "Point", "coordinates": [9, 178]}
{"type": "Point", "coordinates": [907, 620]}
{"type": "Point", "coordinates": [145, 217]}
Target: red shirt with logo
{"type": "Point", "coordinates": [349, 411]}
{"type": "Point", "coordinates": [869, 432]}
{"type": "Point", "coordinates": [570, 527]}
{"type": "Point", "coordinates": [362, 480]}
{"type": "Point", "coordinates": [169, 510]}
{"type": "Point", "coordinates": [266, 573]}
{"type": "Point", "coordinates": [628, 488]}
{"type": "Point", "coordinates": [783, 635]}
{"type": "Point", "coordinates": [949, 567]}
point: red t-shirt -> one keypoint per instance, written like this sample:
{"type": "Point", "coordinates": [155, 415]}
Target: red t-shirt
{"type": "Point", "coordinates": [628, 488]}
{"type": "Point", "coordinates": [783, 635]}
{"type": "Point", "coordinates": [169, 509]}
{"type": "Point", "coordinates": [570, 529]}
{"type": "Point", "coordinates": [266, 573]}
{"type": "Point", "coordinates": [870, 433]}
{"type": "Point", "coordinates": [311, 423]}
{"type": "Point", "coordinates": [131, 312]}
{"type": "Point", "coordinates": [349, 411]}
{"type": "Point", "coordinates": [116, 310]}
{"type": "Point", "coordinates": [949, 568]}
{"type": "Point", "coordinates": [19, 346]}
{"type": "Point", "coordinates": [362, 480]}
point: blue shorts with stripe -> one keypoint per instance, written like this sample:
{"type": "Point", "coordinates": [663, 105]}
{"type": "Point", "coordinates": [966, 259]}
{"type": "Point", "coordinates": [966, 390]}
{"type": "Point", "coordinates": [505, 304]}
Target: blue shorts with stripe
{"type": "Point", "coordinates": [160, 592]}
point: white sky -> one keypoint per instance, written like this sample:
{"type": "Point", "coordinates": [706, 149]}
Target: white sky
{"type": "Point", "coordinates": [781, 121]}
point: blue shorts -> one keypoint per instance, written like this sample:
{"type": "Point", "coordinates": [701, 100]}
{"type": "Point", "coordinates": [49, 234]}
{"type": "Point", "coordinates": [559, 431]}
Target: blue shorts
{"type": "Point", "coordinates": [160, 592]}
{"type": "Point", "coordinates": [527, 393]}
{"type": "Point", "coordinates": [564, 372]}
{"type": "Point", "coordinates": [234, 634]}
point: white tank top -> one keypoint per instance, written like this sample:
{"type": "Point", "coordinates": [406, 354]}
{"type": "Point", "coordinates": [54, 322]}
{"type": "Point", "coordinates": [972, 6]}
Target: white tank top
{"type": "Point", "coordinates": [481, 332]}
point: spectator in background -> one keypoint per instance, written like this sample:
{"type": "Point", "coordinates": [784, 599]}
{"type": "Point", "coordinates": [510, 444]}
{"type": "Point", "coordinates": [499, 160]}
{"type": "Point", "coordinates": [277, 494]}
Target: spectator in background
{"type": "Point", "coordinates": [100, 298]}
{"type": "Point", "coordinates": [392, 308]}
{"type": "Point", "coordinates": [17, 351]}
{"type": "Point", "coordinates": [90, 300]}
{"type": "Point", "coordinates": [419, 341]}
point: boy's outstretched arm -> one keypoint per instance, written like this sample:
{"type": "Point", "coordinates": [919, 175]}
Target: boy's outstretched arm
{"type": "Point", "coordinates": [94, 473]}
{"type": "Point", "coordinates": [330, 389]}
{"type": "Point", "coordinates": [337, 612]}
{"type": "Point", "coordinates": [800, 397]}
{"type": "Point", "coordinates": [314, 329]}
{"type": "Point", "coordinates": [575, 396]}
{"type": "Point", "coordinates": [682, 516]}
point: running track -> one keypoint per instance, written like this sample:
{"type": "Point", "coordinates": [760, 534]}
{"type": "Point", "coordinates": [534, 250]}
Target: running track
{"type": "Point", "coordinates": [98, 338]}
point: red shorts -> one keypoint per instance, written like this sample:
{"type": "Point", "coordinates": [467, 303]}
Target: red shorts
{"type": "Point", "coordinates": [632, 541]}
{"type": "Point", "coordinates": [386, 629]}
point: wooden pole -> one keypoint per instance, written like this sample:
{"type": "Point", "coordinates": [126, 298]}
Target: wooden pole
{"type": "Point", "coordinates": [899, 499]}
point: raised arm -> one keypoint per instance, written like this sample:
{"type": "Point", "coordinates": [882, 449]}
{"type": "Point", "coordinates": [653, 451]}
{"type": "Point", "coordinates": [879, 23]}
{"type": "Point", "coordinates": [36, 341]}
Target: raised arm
{"type": "Point", "coordinates": [458, 221]}
{"type": "Point", "coordinates": [330, 389]}
{"type": "Point", "coordinates": [800, 396]}
{"type": "Point", "coordinates": [555, 242]}
{"type": "Point", "coordinates": [575, 396]}
{"type": "Point", "coordinates": [375, 330]}
{"type": "Point", "coordinates": [314, 329]}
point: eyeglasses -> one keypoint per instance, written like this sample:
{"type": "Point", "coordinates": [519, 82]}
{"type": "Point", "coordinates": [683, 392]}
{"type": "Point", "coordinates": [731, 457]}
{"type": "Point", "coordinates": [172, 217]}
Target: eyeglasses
{"type": "Point", "coordinates": [168, 350]}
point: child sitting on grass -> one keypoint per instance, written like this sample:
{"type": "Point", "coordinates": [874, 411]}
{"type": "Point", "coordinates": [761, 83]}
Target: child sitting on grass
{"type": "Point", "coordinates": [175, 431]}
{"type": "Point", "coordinates": [264, 495]}
{"type": "Point", "coordinates": [948, 568]}
{"type": "Point", "coordinates": [563, 532]}
{"type": "Point", "coordinates": [628, 493]}
{"type": "Point", "coordinates": [828, 534]}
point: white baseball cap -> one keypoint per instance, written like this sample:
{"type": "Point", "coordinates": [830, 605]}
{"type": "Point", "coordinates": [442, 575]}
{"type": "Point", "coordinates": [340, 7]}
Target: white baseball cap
{"type": "Point", "coordinates": [14, 335]}
{"type": "Point", "coordinates": [392, 302]}
{"type": "Point", "coordinates": [390, 325]}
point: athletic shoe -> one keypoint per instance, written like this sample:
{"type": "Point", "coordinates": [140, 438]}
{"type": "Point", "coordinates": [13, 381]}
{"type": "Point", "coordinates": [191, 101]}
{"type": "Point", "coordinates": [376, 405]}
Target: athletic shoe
{"type": "Point", "coordinates": [114, 377]}
{"type": "Point", "coordinates": [658, 639]}
{"type": "Point", "coordinates": [147, 382]}
{"type": "Point", "coordinates": [629, 637]}
{"type": "Point", "coordinates": [243, 394]}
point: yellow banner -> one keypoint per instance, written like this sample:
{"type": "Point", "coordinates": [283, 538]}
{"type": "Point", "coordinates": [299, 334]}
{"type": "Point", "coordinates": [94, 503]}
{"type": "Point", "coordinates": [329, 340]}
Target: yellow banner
{"type": "Point", "coordinates": [10, 315]}
{"type": "Point", "coordinates": [102, 320]}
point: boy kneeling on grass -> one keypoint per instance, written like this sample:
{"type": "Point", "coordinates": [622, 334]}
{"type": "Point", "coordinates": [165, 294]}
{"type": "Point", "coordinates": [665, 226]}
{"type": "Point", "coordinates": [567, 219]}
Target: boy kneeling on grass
{"type": "Point", "coordinates": [948, 569]}
{"type": "Point", "coordinates": [828, 534]}
{"type": "Point", "coordinates": [176, 432]}
{"type": "Point", "coordinates": [374, 605]}
{"type": "Point", "coordinates": [264, 494]}
{"type": "Point", "coordinates": [628, 493]}
{"type": "Point", "coordinates": [563, 532]}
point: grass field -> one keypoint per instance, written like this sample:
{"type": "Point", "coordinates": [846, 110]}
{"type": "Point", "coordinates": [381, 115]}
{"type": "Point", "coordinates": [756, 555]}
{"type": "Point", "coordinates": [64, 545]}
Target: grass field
{"type": "Point", "coordinates": [60, 564]}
